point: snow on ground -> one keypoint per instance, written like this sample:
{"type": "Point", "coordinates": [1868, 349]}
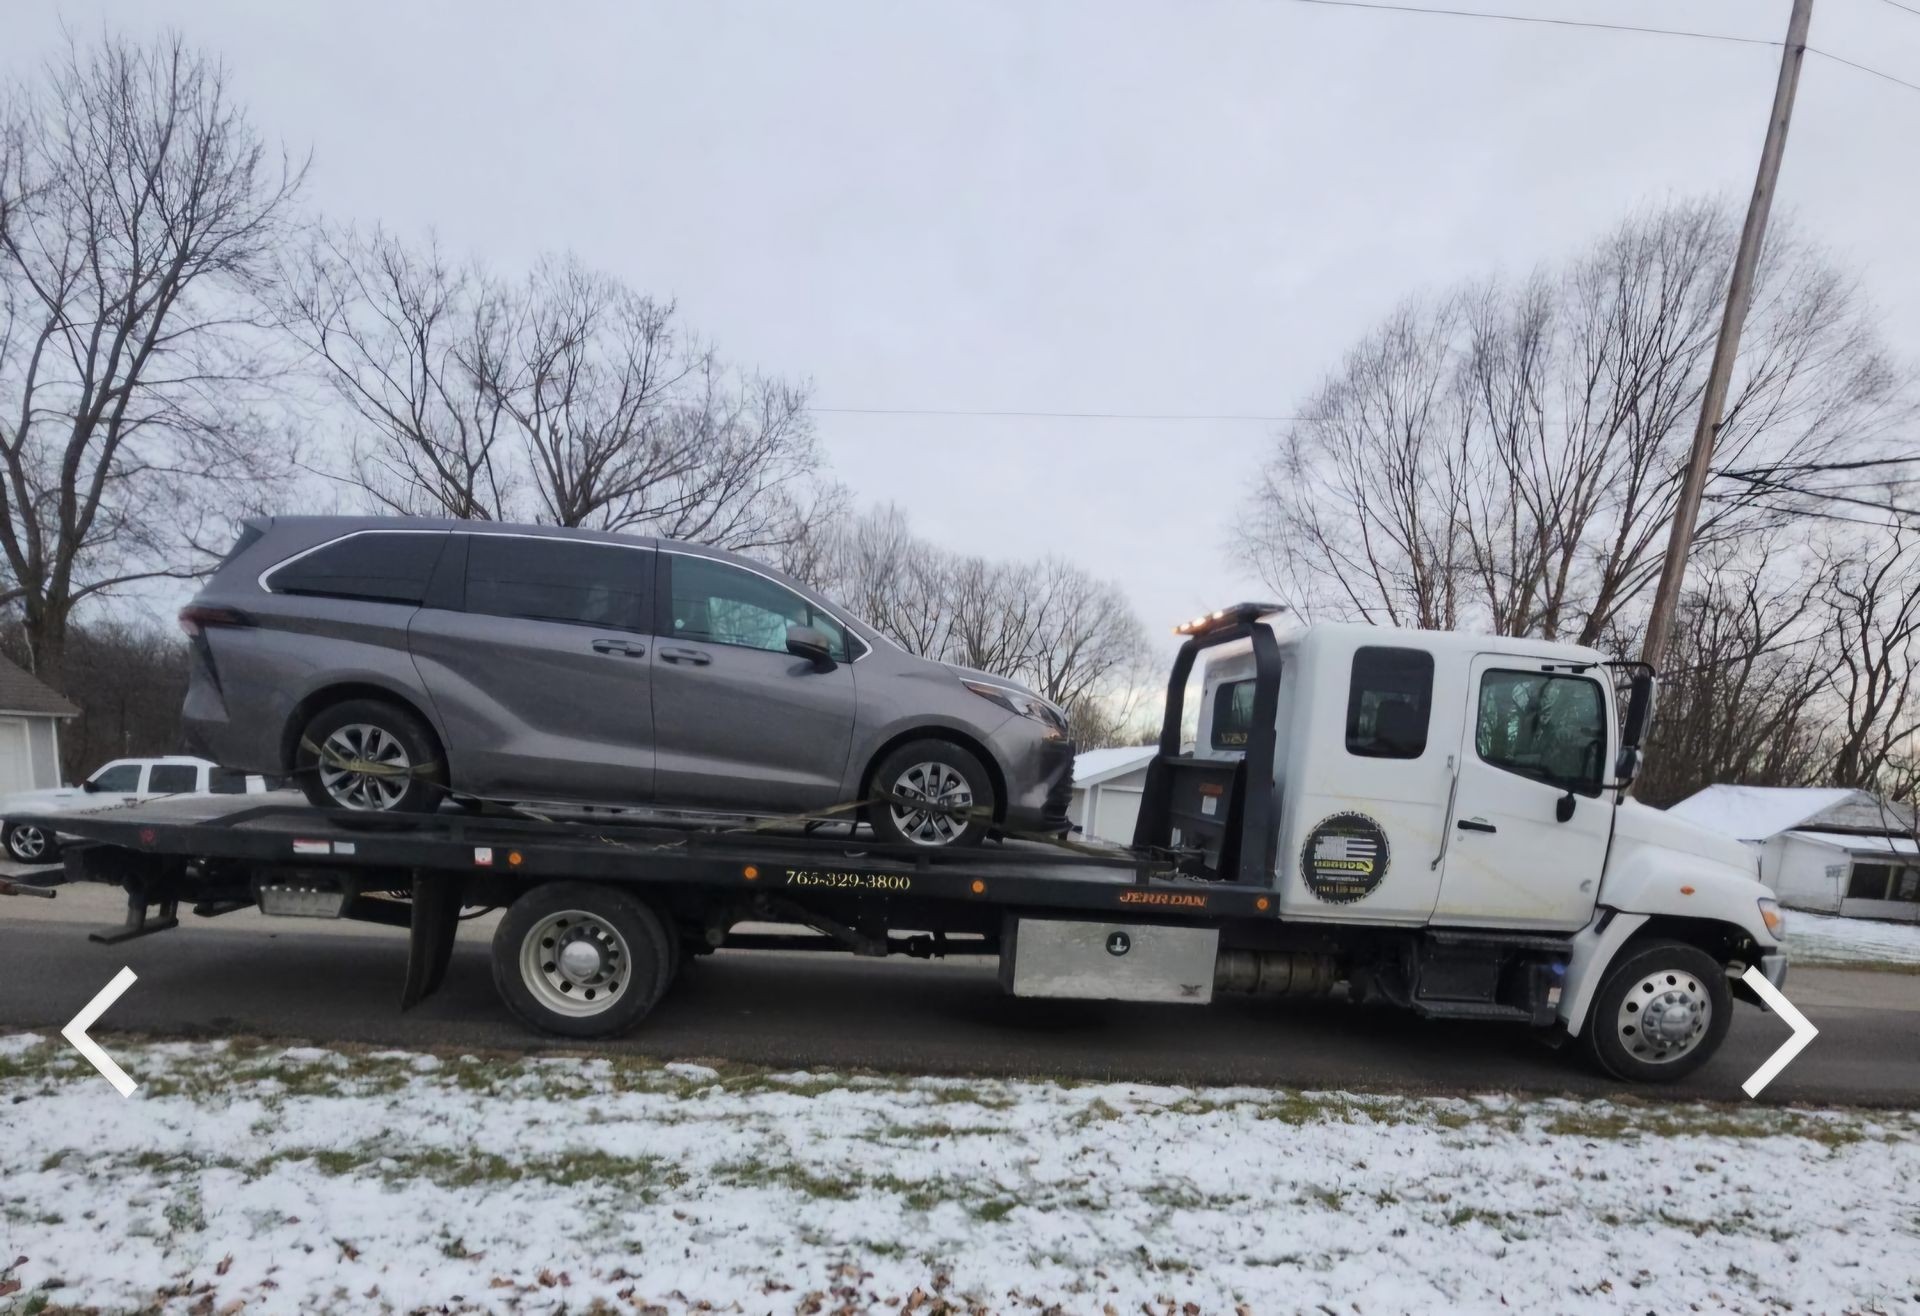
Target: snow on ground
{"type": "Point", "coordinates": [1822, 939]}
{"type": "Point", "coordinates": [261, 1180]}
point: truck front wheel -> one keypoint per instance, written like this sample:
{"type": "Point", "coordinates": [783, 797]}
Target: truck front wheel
{"type": "Point", "coordinates": [1662, 1011]}
{"type": "Point", "coordinates": [580, 960]}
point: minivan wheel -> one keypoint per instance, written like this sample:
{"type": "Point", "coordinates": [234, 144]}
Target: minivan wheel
{"type": "Point", "coordinates": [931, 772]}
{"type": "Point", "coordinates": [1662, 1011]}
{"type": "Point", "coordinates": [580, 960]}
{"type": "Point", "coordinates": [27, 844]}
{"type": "Point", "coordinates": [371, 756]}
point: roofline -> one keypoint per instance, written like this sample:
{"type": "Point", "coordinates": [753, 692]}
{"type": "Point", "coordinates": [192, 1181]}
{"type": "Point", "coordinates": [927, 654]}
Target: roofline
{"type": "Point", "coordinates": [1100, 778]}
{"type": "Point", "coordinates": [35, 712]}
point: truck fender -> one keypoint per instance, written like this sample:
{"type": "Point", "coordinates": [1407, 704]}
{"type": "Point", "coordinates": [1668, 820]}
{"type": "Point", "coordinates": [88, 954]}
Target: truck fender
{"type": "Point", "coordinates": [1594, 948]}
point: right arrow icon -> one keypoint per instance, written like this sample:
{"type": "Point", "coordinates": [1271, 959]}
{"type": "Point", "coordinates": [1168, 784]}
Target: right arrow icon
{"type": "Point", "coordinates": [1803, 1031]}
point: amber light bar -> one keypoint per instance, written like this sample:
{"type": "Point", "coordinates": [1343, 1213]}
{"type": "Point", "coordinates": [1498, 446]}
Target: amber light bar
{"type": "Point", "coordinates": [1235, 615]}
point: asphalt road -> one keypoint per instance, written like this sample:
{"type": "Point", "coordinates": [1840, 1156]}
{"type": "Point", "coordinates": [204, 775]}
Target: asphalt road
{"type": "Point", "coordinates": [244, 976]}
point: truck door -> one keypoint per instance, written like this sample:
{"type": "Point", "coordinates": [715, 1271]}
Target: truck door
{"type": "Point", "coordinates": [1536, 748]}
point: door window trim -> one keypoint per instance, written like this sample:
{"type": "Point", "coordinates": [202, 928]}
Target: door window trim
{"type": "Point", "coordinates": [663, 608]}
{"type": "Point", "coordinates": [1607, 728]}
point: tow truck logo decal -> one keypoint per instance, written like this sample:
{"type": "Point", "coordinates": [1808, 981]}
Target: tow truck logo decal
{"type": "Point", "coordinates": [1344, 859]}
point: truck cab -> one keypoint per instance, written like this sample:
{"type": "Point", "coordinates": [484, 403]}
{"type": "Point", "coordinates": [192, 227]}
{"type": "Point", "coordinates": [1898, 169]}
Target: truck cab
{"type": "Point", "coordinates": [1452, 811]}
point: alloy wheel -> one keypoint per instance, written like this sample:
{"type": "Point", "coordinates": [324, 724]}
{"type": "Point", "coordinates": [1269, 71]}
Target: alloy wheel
{"type": "Point", "coordinates": [365, 767]}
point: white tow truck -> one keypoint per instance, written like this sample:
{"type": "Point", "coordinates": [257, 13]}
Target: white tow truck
{"type": "Point", "coordinates": [1432, 820]}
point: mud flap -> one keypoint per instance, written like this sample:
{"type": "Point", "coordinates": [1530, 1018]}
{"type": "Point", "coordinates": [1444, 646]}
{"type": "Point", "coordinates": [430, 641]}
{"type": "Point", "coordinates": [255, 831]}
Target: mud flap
{"type": "Point", "coordinates": [436, 920]}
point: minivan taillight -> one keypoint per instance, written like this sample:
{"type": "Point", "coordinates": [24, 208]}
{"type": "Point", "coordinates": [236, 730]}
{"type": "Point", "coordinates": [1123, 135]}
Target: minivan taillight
{"type": "Point", "coordinates": [196, 617]}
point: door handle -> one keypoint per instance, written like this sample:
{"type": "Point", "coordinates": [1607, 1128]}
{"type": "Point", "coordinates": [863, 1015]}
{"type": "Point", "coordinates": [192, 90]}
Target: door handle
{"type": "Point", "coordinates": [1475, 825]}
{"type": "Point", "coordinates": [626, 647]}
{"type": "Point", "coordinates": [692, 656]}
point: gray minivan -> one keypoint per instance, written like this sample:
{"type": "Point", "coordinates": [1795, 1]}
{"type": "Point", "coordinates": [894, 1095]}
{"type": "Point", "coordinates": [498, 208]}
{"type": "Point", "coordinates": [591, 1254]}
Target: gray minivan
{"type": "Point", "coordinates": [392, 663]}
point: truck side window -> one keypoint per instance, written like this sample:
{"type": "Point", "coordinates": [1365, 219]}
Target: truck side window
{"type": "Point", "coordinates": [1232, 715]}
{"type": "Point", "coordinates": [1544, 725]}
{"type": "Point", "coordinates": [1389, 702]}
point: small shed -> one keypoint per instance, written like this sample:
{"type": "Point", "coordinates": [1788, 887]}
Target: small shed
{"type": "Point", "coordinates": [1829, 850]}
{"type": "Point", "coordinates": [30, 716]}
{"type": "Point", "coordinates": [1107, 785]}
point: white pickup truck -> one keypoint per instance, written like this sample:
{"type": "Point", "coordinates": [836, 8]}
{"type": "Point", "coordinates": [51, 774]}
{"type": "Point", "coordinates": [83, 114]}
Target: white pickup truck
{"type": "Point", "coordinates": [121, 781]}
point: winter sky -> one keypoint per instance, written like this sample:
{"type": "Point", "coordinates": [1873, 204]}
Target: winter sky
{"type": "Point", "coordinates": [1106, 207]}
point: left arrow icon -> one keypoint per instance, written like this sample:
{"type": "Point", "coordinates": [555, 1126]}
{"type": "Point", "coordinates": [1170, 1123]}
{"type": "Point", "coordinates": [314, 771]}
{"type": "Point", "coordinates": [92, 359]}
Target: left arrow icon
{"type": "Point", "coordinates": [76, 1032]}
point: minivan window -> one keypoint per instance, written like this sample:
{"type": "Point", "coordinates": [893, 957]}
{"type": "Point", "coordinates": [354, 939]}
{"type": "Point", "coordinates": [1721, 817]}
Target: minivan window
{"type": "Point", "coordinates": [566, 580]}
{"type": "Point", "coordinates": [1232, 714]}
{"type": "Point", "coordinates": [1389, 701]}
{"type": "Point", "coordinates": [723, 604]}
{"type": "Point", "coordinates": [1544, 725]}
{"type": "Point", "coordinates": [387, 566]}
{"type": "Point", "coordinates": [172, 778]}
{"type": "Point", "coordinates": [119, 777]}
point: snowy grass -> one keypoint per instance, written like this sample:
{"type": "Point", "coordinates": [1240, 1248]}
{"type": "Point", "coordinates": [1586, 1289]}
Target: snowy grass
{"type": "Point", "coordinates": [263, 1179]}
{"type": "Point", "coordinates": [1859, 942]}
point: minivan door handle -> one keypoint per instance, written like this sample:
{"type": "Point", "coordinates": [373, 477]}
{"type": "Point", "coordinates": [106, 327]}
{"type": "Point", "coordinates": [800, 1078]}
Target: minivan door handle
{"type": "Point", "coordinates": [626, 647]}
{"type": "Point", "coordinates": [1475, 825]}
{"type": "Point", "coordinates": [692, 656]}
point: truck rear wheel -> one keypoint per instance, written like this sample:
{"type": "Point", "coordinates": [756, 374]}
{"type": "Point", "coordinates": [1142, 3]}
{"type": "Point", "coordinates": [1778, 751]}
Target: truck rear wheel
{"type": "Point", "coordinates": [580, 960]}
{"type": "Point", "coordinates": [1662, 1011]}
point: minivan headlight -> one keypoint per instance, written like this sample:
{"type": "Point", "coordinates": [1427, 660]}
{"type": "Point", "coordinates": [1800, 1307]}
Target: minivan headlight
{"type": "Point", "coordinates": [1019, 701]}
{"type": "Point", "coordinates": [1775, 920]}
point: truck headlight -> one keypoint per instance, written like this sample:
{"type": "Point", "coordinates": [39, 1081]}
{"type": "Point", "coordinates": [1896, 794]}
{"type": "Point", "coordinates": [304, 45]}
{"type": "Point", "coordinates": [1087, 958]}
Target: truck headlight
{"type": "Point", "coordinates": [1775, 920]}
{"type": "Point", "coordinates": [1019, 701]}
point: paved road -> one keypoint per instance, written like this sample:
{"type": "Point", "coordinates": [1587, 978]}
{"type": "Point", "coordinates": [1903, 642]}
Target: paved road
{"type": "Point", "coordinates": [246, 976]}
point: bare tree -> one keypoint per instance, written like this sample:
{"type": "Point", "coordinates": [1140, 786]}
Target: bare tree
{"type": "Point", "coordinates": [137, 209]}
{"type": "Point", "coordinates": [392, 329]}
{"type": "Point", "coordinates": [1510, 456]}
{"type": "Point", "coordinates": [1069, 636]}
{"type": "Point", "coordinates": [1873, 617]}
{"type": "Point", "coordinates": [566, 398]}
{"type": "Point", "coordinates": [1740, 701]}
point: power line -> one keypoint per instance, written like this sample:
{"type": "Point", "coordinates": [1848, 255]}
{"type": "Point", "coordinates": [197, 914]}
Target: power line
{"type": "Point", "coordinates": [1384, 6]}
{"type": "Point", "coordinates": [1897, 5]}
{"type": "Point", "coordinates": [1054, 415]}
{"type": "Point", "coordinates": [1540, 19]}
{"type": "Point", "coordinates": [1841, 59]}
{"type": "Point", "coordinates": [1810, 468]}
{"type": "Point", "coordinates": [1765, 485]}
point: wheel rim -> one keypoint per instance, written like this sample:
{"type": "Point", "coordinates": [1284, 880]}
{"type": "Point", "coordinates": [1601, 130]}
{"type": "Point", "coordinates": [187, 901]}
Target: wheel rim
{"type": "Point", "coordinates": [29, 843]}
{"type": "Point", "coordinates": [1665, 1016]}
{"type": "Point", "coordinates": [936, 783]}
{"type": "Point", "coordinates": [353, 788]}
{"type": "Point", "coordinates": [575, 963]}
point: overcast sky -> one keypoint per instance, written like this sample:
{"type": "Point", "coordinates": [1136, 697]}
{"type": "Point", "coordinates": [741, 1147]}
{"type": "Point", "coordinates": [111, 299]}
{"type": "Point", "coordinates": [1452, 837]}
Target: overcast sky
{"type": "Point", "coordinates": [1083, 207]}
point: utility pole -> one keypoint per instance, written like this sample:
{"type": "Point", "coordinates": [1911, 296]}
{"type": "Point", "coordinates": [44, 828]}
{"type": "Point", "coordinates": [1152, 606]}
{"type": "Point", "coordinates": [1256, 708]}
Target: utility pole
{"type": "Point", "coordinates": [1739, 296]}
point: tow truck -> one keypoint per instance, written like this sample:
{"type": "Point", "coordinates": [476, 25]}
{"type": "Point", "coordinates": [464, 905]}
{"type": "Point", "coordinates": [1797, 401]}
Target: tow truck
{"type": "Point", "coordinates": [1431, 820]}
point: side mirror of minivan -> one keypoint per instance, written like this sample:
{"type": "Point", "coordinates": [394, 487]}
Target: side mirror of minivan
{"type": "Point", "coordinates": [814, 646]}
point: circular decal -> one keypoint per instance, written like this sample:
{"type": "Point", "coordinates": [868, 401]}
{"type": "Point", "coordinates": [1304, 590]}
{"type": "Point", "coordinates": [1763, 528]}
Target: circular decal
{"type": "Point", "coordinates": [1345, 858]}
{"type": "Point", "coordinates": [1119, 943]}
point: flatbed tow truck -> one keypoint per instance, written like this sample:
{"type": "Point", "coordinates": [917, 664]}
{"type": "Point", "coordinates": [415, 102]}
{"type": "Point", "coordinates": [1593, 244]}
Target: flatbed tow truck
{"type": "Point", "coordinates": [1435, 821]}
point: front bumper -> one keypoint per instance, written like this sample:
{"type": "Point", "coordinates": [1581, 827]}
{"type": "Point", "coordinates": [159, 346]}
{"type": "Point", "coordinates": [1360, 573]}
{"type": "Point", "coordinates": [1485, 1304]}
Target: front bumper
{"type": "Point", "coordinates": [1772, 967]}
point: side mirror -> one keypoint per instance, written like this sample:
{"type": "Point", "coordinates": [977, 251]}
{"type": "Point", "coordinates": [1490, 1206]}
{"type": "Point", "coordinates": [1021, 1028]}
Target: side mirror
{"type": "Point", "coordinates": [1639, 709]}
{"type": "Point", "coordinates": [89, 786]}
{"type": "Point", "coordinates": [1563, 807]}
{"type": "Point", "coordinates": [813, 645]}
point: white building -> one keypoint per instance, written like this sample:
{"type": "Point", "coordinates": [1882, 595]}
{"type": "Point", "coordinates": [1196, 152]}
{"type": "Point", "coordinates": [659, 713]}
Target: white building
{"type": "Point", "coordinates": [30, 717]}
{"type": "Point", "coordinates": [1107, 784]}
{"type": "Point", "coordinates": [1828, 850]}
